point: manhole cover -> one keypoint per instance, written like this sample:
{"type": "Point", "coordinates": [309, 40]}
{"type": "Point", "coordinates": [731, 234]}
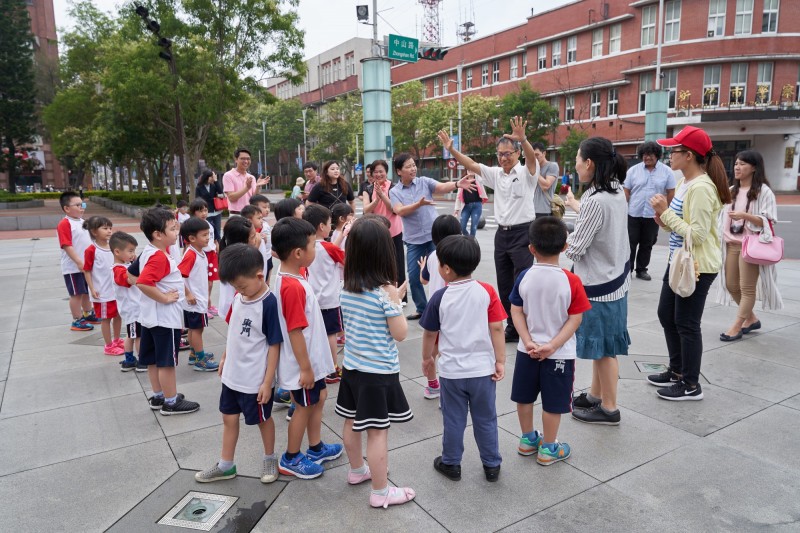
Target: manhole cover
{"type": "Point", "coordinates": [198, 510]}
{"type": "Point", "coordinates": [651, 368]}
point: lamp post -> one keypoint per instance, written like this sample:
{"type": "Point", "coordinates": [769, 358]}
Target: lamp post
{"type": "Point", "coordinates": [264, 140]}
{"type": "Point", "coordinates": [459, 69]}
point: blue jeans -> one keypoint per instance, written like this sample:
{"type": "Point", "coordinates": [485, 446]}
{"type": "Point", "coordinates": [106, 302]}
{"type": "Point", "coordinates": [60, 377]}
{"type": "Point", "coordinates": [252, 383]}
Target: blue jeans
{"type": "Point", "coordinates": [471, 211]}
{"type": "Point", "coordinates": [478, 395]}
{"type": "Point", "coordinates": [413, 255]}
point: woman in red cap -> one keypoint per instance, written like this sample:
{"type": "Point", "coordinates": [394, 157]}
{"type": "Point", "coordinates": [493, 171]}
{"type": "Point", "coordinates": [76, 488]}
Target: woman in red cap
{"type": "Point", "coordinates": [698, 199]}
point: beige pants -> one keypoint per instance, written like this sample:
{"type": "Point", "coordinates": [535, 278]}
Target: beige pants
{"type": "Point", "coordinates": [740, 280]}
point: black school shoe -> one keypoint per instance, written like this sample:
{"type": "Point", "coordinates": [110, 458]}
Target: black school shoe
{"type": "Point", "coordinates": [596, 415]}
{"type": "Point", "coordinates": [492, 473]}
{"type": "Point", "coordinates": [582, 401]}
{"type": "Point", "coordinates": [680, 392]}
{"type": "Point", "coordinates": [643, 275]}
{"type": "Point", "coordinates": [450, 471]}
{"type": "Point", "coordinates": [157, 403]}
{"type": "Point", "coordinates": [180, 407]}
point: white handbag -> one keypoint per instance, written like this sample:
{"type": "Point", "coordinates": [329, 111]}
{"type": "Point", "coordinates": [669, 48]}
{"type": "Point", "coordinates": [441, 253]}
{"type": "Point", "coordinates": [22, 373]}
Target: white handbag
{"type": "Point", "coordinates": [682, 276]}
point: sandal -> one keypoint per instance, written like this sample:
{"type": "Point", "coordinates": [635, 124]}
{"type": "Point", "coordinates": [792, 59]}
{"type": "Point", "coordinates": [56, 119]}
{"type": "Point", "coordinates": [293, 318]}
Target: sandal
{"type": "Point", "coordinates": [396, 496]}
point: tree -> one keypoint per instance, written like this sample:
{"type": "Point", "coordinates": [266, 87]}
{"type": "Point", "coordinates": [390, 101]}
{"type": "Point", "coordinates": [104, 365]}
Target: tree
{"type": "Point", "coordinates": [17, 82]}
{"type": "Point", "coordinates": [478, 116]}
{"type": "Point", "coordinates": [335, 129]}
{"type": "Point", "coordinates": [569, 147]}
{"type": "Point", "coordinates": [541, 116]}
{"type": "Point", "coordinates": [408, 108]}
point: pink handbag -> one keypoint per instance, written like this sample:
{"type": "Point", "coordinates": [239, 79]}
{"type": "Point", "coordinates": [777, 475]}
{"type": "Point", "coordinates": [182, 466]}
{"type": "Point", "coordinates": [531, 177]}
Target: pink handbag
{"type": "Point", "coordinates": [762, 253]}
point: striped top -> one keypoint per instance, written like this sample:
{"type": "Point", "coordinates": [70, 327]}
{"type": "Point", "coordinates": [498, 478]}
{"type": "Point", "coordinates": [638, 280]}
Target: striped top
{"type": "Point", "coordinates": [675, 240]}
{"type": "Point", "coordinates": [369, 346]}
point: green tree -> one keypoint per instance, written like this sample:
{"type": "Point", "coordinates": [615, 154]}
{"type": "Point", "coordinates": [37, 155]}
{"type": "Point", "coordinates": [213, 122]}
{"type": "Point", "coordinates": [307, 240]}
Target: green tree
{"type": "Point", "coordinates": [569, 147]}
{"type": "Point", "coordinates": [408, 109]}
{"type": "Point", "coordinates": [17, 92]}
{"type": "Point", "coordinates": [541, 116]}
{"type": "Point", "coordinates": [478, 126]}
{"type": "Point", "coordinates": [334, 131]}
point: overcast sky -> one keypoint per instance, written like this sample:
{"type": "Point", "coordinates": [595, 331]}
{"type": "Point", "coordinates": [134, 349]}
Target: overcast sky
{"type": "Point", "coordinates": [326, 27]}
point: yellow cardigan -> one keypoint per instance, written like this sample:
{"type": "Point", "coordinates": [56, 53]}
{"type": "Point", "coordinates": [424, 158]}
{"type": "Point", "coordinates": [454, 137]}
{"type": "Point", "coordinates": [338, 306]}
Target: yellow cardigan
{"type": "Point", "coordinates": [701, 207]}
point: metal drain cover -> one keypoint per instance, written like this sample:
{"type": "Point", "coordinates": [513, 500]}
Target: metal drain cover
{"type": "Point", "coordinates": [198, 510]}
{"type": "Point", "coordinates": [651, 368]}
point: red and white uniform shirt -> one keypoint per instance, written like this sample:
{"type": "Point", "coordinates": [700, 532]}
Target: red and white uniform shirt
{"type": "Point", "coordinates": [99, 262]}
{"type": "Point", "coordinates": [159, 270]}
{"type": "Point", "coordinates": [71, 233]}
{"type": "Point", "coordinates": [194, 269]}
{"type": "Point", "coordinates": [128, 296]}
{"type": "Point", "coordinates": [325, 274]}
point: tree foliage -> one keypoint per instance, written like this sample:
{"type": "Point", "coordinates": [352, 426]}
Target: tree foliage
{"type": "Point", "coordinates": [335, 130]}
{"type": "Point", "coordinates": [541, 116]}
{"type": "Point", "coordinates": [569, 148]}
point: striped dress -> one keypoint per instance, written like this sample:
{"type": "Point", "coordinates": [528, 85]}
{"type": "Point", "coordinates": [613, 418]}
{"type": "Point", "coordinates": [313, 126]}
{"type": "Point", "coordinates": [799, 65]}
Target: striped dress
{"type": "Point", "coordinates": [369, 346]}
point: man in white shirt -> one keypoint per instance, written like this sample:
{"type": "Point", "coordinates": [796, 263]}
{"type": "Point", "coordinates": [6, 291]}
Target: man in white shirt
{"type": "Point", "coordinates": [514, 186]}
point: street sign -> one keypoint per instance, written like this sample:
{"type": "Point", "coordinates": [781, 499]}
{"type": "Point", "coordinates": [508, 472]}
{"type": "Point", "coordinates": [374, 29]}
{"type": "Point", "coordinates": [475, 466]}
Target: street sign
{"type": "Point", "coordinates": [451, 164]}
{"type": "Point", "coordinates": [299, 162]}
{"type": "Point", "coordinates": [359, 167]}
{"type": "Point", "coordinates": [403, 48]}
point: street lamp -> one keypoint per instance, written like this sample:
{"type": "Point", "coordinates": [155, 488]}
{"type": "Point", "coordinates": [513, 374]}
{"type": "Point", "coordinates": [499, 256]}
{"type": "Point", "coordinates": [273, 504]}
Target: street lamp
{"type": "Point", "coordinates": [305, 145]}
{"type": "Point", "coordinates": [459, 69]}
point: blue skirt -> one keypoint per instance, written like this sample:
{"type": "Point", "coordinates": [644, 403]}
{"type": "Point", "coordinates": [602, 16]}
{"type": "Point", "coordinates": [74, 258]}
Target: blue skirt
{"type": "Point", "coordinates": [604, 330]}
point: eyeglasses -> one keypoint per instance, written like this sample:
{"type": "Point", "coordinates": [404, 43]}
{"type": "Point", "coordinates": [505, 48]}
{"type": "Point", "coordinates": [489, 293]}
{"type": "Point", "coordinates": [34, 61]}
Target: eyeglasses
{"type": "Point", "coordinates": [501, 155]}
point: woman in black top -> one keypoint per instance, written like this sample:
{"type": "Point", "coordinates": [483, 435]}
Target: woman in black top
{"type": "Point", "coordinates": [209, 188]}
{"type": "Point", "coordinates": [332, 189]}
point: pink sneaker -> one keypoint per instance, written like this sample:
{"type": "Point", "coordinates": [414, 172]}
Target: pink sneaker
{"type": "Point", "coordinates": [213, 311]}
{"type": "Point", "coordinates": [355, 479]}
{"type": "Point", "coordinates": [113, 349]}
{"type": "Point", "coordinates": [396, 496]}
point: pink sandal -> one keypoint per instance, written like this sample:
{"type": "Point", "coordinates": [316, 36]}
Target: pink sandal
{"type": "Point", "coordinates": [396, 496]}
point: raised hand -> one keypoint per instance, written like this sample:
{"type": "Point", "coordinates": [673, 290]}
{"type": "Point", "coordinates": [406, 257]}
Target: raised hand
{"type": "Point", "coordinates": [445, 139]}
{"type": "Point", "coordinates": [518, 126]}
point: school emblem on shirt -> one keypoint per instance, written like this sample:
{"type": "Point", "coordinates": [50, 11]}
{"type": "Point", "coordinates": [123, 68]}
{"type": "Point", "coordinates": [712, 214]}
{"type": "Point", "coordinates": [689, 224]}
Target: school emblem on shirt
{"type": "Point", "coordinates": [246, 324]}
{"type": "Point", "coordinates": [560, 365]}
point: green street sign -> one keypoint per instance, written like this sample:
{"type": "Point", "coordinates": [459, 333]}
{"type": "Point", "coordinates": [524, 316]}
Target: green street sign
{"type": "Point", "coordinates": [403, 48]}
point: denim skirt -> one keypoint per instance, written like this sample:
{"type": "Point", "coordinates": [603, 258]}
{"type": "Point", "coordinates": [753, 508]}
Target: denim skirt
{"type": "Point", "coordinates": [604, 330]}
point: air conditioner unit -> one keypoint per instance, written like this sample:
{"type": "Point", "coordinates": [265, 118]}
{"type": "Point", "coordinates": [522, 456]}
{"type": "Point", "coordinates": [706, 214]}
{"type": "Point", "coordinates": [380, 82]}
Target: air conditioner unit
{"type": "Point", "coordinates": [710, 33]}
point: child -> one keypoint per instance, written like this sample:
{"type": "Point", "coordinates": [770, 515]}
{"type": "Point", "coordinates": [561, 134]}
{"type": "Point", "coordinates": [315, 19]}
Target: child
{"type": "Point", "coordinates": [238, 230]}
{"type": "Point", "coordinates": [342, 216]}
{"type": "Point", "coordinates": [249, 362]}
{"type": "Point", "coordinates": [74, 240]}
{"type": "Point", "coordinates": [547, 305]}
{"type": "Point", "coordinates": [303, 363]}
{"type": "Point", "coordinates": [254, 215]}
{"type": "Point", "coordinates": [160, 311]}
{"type": "Point", "coordinates": [182, 213]}
{"type": "Point", "coordinates": [468, 317]}
{"type": "Point", "coordinates": [98, 260]}
{"type": "Point", "coordinates": [262, 202]}
{"type": "Point", "coordinates": [370, 396]}
{"type": "Point", "coordinates": [194, 269]}
{"type": "Point", "coordinates": [289, 207]}
{"type": "Point", "coordinates": [123, 246]}
{"type": "Point", "coordinates": [443, 226]}
{"type": "Point", "coordinates": [199, 209]}
{"type": "Point", "coordinates": [324, 278]}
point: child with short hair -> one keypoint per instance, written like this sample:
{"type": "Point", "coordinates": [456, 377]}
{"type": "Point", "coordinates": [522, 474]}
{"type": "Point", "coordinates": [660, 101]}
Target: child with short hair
{"type": "Point", "coordinates": [303, 363]}
{"type": "Point", "coordinates": [370, 395]}
{"type": "Point", "coordinates": [98, 260]}
{"type": "Point", "coordinates": [160, 311]}
{"type": "Point", "coordinates": [467, 318]}
{"type": "Point", "coordinates": [73, 241]}
{"type": "Point", "coordinates": [262, 202]}
{"type": "Point", "coordinates": [342, 220]}
{"type": "Point", "coordinates": [249, 362]}
{"type": "Point", "coordinates": [324, 276]}
{"type": "Point", "coordinates": [194, 269]}
{"type": "Point", "coordinates": [443, 226]}
{"type": "Point", "coordinates": [182, 212]}
{"type": "Point", "coordinates": [199, 208]}
{"type": "Point", "coordinates": [547, 306]}
{"type": "Point", "coordinates": [238, 230]}
{"type": "Point", "coordinates": [255, 216]}
{"type": "Point", "coordinates": [128, 296]}
{"type": "Point", "coordinates": [289, 207]}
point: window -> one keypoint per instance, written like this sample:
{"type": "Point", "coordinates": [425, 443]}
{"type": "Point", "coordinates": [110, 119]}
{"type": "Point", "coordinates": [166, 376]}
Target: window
{"type": "Point", "coordinates": [469, 78]}
{"type": "Point", "coordinates": [648, 25]}
{"type": "Point", "coordinates": [496, 72]}
{"type": "Point", "coordinates": [524, 64]}
{"type": "Point", "coordinates": [512, 71]}
{"type": "Point", "coordinates": [347, 61]}
{"type": "Point", "coordinates": [711, 77]}
{"type": "Point", "coordinates": [614, 39]}
{"type": "Point", "coordinates": [738, 92]}
{"type": "Point", "coordinates": [716, 17]}
{"type": "Point", "coordinates": [555, 103]}
{"type": "Point", "coordinates": [764, 83]}
{"type": "Point", "coordinates": [337, 68]}
{"type": "Point", "coordinates": [485, 74]}
{"type": "Point", "coordinates": [436, 86]}
{"type": "Point", "coordinates": [672, 21]}
{"type": "Point", "coordinates": [542, 61]}
{"type": "Point", "coordinates": [670, 83]}
{"type": "Point", "coordinates": [424, 91]}
{"type": "Point", "coordinates": [594, 109]}
{"type": "Point", "coordinates": [572, 49]}
{"type": "Point", "coordinates": [570, 110]}
{"type": "Point", "coordinates": [769, 20]}
{"type": "Point", "coordinates": [645, 84]}
{"type": "Point", "coordinates": [613, 102]}
{"type": "Point", "coordinates": [744, 17]}
{"type": "Point", "coordinates": [597, 42]}
{"type": "Point", "coordinates": [556, 54]}
{"type": "Point", "coordinates": [445, 85]}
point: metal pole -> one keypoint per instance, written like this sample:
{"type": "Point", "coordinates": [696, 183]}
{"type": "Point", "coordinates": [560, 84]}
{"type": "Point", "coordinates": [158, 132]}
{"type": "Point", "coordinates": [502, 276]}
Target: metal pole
{"type": "Point", "coordinates": [357, 154]}
{"type": "Point", "coordinates": [264, 141]}
{"type": "Point", "coordinates": [305, 144]}
{"type": "Point", "coordinates": [459, 69]}
{"type": "Point", "coordinates": [179, 127]}
{"type": "Point", "coordinates": [375, 50]}
{"type": "Point", "coordinates": [657, 85]}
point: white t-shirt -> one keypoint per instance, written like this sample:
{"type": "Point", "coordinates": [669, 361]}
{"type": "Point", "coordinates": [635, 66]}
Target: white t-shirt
{"type": "Point", "coordinates": [71, 233]}
{"type": "Point", "coordinates": [253, 326]}
{"type": "Point", "coordinates": [160, 270]}
{"type": "Point", "coordinates": [183, 217]}
{"type": "Point", "coordinates": [513, 193]}
{"type": "Point", "coordinates": [431, 274]}
{"type": "Point", "coordinates": [266, 231]}
{"type": "Point", "coordinates": [299, 309]}
{"type": "Point", "coordinates": [548, 295]}
{"type": "Point", "coordinates": [128, 296]}
{"type": "Point", "coordinates": [211, 246]}
{"type": "Point", "coordinates": [194, 269]}
{"type": "Point", "coordinates": [99, 261]}
{"type": "Point", "coordinates": [324, 274]}
{"type": "Point", "coordinates": [265, 254]}
{"type": "Point", "coordinates": [226, 293]}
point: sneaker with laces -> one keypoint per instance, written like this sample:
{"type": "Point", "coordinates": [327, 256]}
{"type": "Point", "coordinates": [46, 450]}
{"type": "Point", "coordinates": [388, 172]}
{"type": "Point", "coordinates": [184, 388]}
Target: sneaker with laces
{"type": "Point", "coordinates": [181, 406]}
{"type": "Point", "coordinates": [582, 401]}
{"type": "Point", "coordinates": [113, 349]}
{"type": "Point", "coordinates": [127, 366]}
{"type": "Point", "coordinates": [664, 379]}
{"type": "Point", "coordinates": [141, 367]}
{"type": "Point", "coordinates": [282, 398]}
{"type": "Point", "coordinates": [596, 415]}
{"type": "Point", "coordinates": [680, 392]}
{"type": "Point", "coordinates": [91, 319]}
{"type": "Point", "coordinates": [157, 402]}
{"type": "Point", "coordinates": [300, 467]}
{"type": "Point", "coordinates": [289, 413]}
{"type": "Point", "coordinates": [192, 359]}
{"type": "Point", "coordinates": [329, 452]}
{"type": "Point", "coordinates": [184, 345]}
{"type": "Point", "coordinates": [333, 377]}
{"type": "Point", "coordinates": [527, 446]}
{"type": "Point", "coordinates": [206, 365]}
{"type": "Point", "coordinates": [431, 393]}
{"type": "Point", "coordinates": [269, 471]}
{"type": "Point", "coordinates": [215, 473]}
{"type": "Point", "coordinates": [546, 457]}
{"type": "Point", "coordinates": [80, 325]}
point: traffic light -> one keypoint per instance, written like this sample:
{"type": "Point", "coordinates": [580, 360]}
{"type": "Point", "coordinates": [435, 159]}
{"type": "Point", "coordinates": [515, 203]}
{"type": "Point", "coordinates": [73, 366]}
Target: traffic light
{"type": "Point", "coordinates": [362, 13]}
{"type": "Point", "coordinates": [432, 54]}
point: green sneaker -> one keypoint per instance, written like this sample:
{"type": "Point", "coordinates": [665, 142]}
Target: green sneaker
{"type": "Point", "coordinates": [529, 447]}
{"type": "Point", "coordinates": [192, 358]}
{"type": "Point", "coordinates": [547, 457]}
{"type": "Point", "coordinates": [215, 474]}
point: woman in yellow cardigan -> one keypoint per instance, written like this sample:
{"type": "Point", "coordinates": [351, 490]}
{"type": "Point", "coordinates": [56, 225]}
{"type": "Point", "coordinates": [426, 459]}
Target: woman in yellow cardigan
{"type": "Point", "coordinates": [698, 199]}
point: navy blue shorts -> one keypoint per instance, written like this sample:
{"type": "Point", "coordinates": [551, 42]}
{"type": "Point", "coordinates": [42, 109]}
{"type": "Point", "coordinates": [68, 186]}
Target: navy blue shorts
{"type": "Point", "coordinates": [159, 346]}
{"type": "Point", "coordinates": [233, 402]}
{"type": "Point", "coordinates": [554, 378]}
{"type": "Point", "coordinates": [134, 330]}
{"type": "Point", "coordinates": [269, 266]}
{"type": "Point", "coordinates": [76, 284]}
{"type": "Point", "coordinates": [333, 320]}
{"type": "Point", "coordinates": [193, 320]}
{"type": "Point", "coordinates": [308, 397]}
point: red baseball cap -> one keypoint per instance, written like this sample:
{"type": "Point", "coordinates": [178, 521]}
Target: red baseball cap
{"type": "Point", "coordinates": [692, 138]}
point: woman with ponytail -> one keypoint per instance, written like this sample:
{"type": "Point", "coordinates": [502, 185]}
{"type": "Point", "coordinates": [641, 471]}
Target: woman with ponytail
{"type": "Point", "coordinates": [698, 199]}
{"type": "Point", "coordinates": [600, 251]}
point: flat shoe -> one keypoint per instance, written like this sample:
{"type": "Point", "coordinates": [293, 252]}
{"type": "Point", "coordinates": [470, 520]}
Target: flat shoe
{"type": "Point", "coordinates": [396, 496]}
{"type": "Point", "coordinates": [727, 338]}
{"type": "Point", "coordinates": [415, 316]}
{"type": "Point", "coordinates": [752, 327]}
{"type": "Point", "coordinates": [355, 479]}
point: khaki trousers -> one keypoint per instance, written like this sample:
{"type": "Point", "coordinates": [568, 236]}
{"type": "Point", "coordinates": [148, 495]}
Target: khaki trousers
{"type": "Point", "coordinates": [740, 279]}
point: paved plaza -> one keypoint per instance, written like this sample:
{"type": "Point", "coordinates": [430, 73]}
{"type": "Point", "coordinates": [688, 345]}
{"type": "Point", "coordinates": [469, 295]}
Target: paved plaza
{"type": "Point", "coordinates": [81, 450]}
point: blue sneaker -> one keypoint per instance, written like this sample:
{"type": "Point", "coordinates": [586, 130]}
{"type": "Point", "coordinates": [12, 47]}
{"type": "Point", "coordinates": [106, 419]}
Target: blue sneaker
{"type": "Point", "coordinates": [206, 365]}
{"type": "Point", "coordinates": [81, 325]}
{"type": "Point", "coordinates": [329, 452]}
{"type": "Point", "coordinates": [299, 467]}
{"type": "Point", "coordinates": [192, 359]}
{"type": "Point", "coordinates": [546, 457]}
{"type": "Point", "coordinates": [528, 446]}
{"type": "Point", "coordinates": [282, 398]}
{"type": "Point", "coordinates": [91, 318]}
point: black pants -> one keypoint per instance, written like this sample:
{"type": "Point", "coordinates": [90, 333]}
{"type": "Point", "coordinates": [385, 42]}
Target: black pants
{"type": "Point", "coordinates": [642, 233]}
{"type": "Point", "coordinates": [680, 318]}
{"type": "Point", "coordinates": [511, 256]}
{"type": "Point", "coordinates": [400, 259]}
